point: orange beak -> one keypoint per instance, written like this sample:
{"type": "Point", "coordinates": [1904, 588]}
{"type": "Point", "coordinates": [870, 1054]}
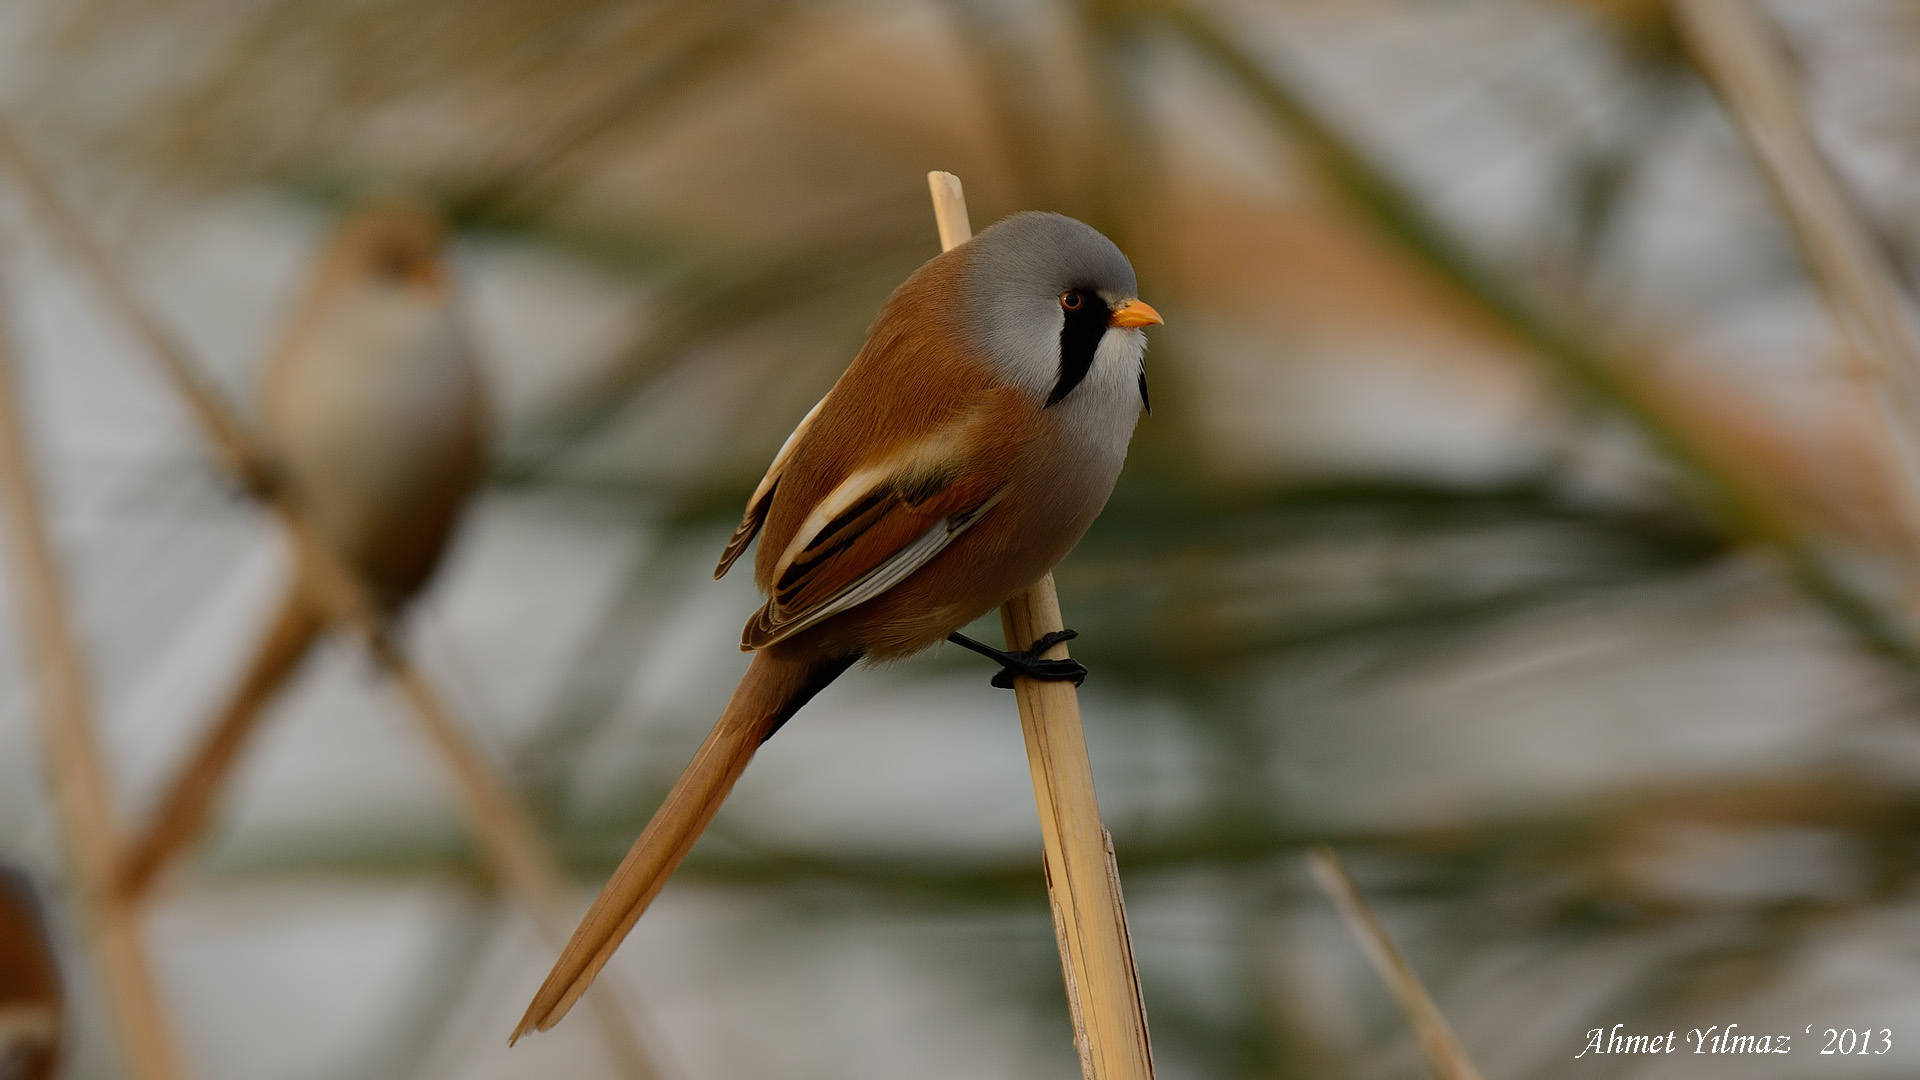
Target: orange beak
{"type": "Point", "coordinates": [1135, 313]}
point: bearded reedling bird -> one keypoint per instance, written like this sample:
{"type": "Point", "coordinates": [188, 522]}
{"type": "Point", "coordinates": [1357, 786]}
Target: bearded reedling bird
{"type": "Point", "coordinates": [30, 997]}
{"type": "Point", "coordinates": [974, 439]}
{"type": "Point", "coordinates": [375, 415]}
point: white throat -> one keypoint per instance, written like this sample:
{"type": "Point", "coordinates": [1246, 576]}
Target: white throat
{"type": "Point", "coordinates": [1099, 415]}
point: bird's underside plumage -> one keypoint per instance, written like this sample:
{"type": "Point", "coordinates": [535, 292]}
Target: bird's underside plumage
{"type": "Point", "coordinates": [376, 415]}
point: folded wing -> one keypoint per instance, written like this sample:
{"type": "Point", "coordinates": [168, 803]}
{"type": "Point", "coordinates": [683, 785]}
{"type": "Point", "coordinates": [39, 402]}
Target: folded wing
{"type": "Point", "coordinates": [762, 499]}
{"type": "Point", "coordinates": [883, 522]}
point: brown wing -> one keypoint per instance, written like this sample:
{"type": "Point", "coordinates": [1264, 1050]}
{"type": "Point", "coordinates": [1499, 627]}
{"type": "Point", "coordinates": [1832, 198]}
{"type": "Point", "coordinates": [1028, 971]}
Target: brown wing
{"type": "Point", "coordinates": [914, 442]}
{"type": "Point", "coordinates": [762, 499]}
{"type": "Point", "coordinates": [871, 533]}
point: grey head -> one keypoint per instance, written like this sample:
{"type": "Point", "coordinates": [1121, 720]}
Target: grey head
{"type": "Point", "coordinates": [1044, 289]}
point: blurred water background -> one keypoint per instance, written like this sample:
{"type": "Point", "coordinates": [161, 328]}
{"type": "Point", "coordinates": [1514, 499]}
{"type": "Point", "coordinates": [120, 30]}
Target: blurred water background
{"type": "Point", "coordinates": [1508, 518]}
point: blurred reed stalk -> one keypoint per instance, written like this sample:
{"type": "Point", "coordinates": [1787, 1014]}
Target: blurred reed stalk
{"type": "Point", "coordinates": [1741, 57]}
{"type": "Point", "coordinates": [526, 864]}
{"type": "Point", "coordinates": [1445, 1058]}
{"type": "Point", "coordinates": [1591, 361]}
{"type": "Point", "coordinates": [74, 769]}
{"type": "Point", "coordinates": [1083, 882]}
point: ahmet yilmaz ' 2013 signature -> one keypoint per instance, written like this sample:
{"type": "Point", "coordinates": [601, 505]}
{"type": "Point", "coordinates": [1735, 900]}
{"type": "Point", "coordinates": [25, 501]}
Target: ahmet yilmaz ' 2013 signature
{"type": "Point", "coordinates": [1731, 1041]}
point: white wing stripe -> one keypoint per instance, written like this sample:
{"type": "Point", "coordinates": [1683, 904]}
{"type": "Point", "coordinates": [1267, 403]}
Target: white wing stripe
{"type": "Point", "coordinates": [893, 571]}
{"type": "Point", "coordinates": [851, 490]}
{"type": "Point", "coordinates": [779, 459]}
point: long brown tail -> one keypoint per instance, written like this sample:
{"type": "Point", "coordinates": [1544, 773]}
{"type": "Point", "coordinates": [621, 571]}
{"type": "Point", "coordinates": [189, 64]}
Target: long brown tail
{"type": "Point", "coordinates": [183, 809]}
{"type": "Point", "coordinates": [773, 689]}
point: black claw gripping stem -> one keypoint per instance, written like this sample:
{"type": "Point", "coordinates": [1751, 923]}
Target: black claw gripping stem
{"type": "Point", "coordinates": [1027, 662]}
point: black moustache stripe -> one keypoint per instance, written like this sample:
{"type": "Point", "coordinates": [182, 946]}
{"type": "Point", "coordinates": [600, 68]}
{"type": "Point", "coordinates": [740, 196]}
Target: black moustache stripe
{"type": "Point", "coordinates": [1079, 340]}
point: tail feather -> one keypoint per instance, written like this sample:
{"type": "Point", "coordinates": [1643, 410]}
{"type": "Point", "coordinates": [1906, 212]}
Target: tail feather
{"type": "Point", "coordinates": [773, 689]}
{"type": "Point", "coordinates": [183, 809]}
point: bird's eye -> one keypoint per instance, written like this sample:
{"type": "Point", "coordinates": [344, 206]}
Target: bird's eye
{"type": "Point", "coordinates": [1072, 300]}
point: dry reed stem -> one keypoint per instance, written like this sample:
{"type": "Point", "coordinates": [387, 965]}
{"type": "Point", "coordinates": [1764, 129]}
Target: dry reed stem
{"type": "Point", "coordinates": [180, 814]}
{"type": "Point", "coordinates": [1741, 56]}
{"type": "Point", "coordinates": [1083, 883]}
{"type": "Point", "coordinates": [1437, 1043]}
{"type": "Point", "coordinates": [527, 866]}
{"type": "Point", "coordinates": [74, 769]}
{"type": "Point", "coordinates": [229, 440]}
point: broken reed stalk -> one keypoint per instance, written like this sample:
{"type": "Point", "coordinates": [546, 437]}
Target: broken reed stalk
{"type": "Point", "coordinates": [1083, 883]}
{"type": "Point", "coordinates": [74, 769]}
{"type": "Point", "coordinates": [520, 855]}
{"type": "Point", "coordinates": [1741, 57]}
{"type": "Point", "coordinates": [1445, 1058]}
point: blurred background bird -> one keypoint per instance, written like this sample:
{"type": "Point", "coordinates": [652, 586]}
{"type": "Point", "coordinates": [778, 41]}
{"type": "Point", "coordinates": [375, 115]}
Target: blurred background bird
{"type": "Point", "coordinates": [375, 414]}
{"type": "Point", "coordinates": [30, 999]}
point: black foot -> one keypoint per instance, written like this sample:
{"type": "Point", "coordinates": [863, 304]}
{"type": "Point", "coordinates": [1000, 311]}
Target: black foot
{"type": "Point", "coordinates": [1027, 662]}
